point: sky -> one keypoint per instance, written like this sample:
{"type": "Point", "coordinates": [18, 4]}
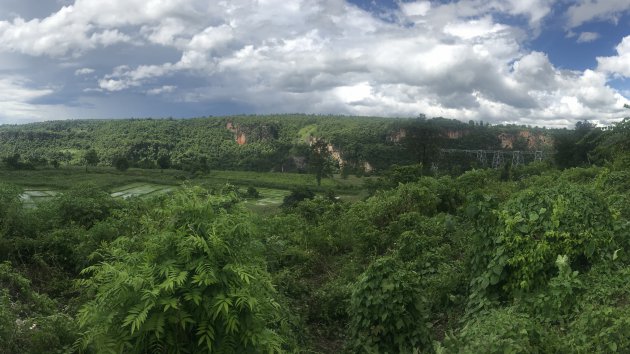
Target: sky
{"type": "Point", "coordinates": [534, 62]}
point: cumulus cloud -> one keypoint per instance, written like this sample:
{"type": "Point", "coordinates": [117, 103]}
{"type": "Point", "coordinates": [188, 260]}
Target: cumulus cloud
{"type": "Point", "coordinates": [60, 34]}
{"type": "Point", "coordinates": [450, 59]}
{"type": "Point", "coordinates": [595, 10]}
{"type": "Point", "coordinates": [87, 24]}
{"type": "Point", "coordinates": [535, 11]}
{"type": "Point", "coordinates": [618, 64]}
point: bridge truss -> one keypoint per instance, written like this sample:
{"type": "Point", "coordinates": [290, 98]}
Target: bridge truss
{"type": "Point", "coordinates": [496, 158]}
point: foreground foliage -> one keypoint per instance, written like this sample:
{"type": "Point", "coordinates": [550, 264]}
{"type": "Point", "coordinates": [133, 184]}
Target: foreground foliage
{"type": "Point", "coordinates": [535, 260]}
{"type": "Point", "coordinates": [191, 281]}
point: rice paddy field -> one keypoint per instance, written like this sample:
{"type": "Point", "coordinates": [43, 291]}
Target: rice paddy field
{"type": "Point", "coordinates": [39, 185]}
{"type": "Point", "coordinates": [141, 190]}
{"type": "Point", "coordinates": [30, 197]}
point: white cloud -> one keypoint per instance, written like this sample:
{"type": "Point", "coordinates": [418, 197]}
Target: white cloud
{"type": "Point", "coordinates": [450, 59]}
{"type": "Point", "coordinates": [417, 8]}
{"type": "Point", "coordinates": [353, 63]}
{"type": "Point", "coordinates": [167, 33]}
{"type": "Point", "coordinates": [586, 37]}
{"type": "Point", "coordinates": [58, 35]}
{"type": "Point", "coordinates": [619, 64]}
{"type": "Point", "coordinates": [16, 98]}
{"type": "Point", "coordinates": [596, 10]}
{"type": "Point", "coordinates": [483, 27]}
{"type": "Point", "coordinates": [84, 71]}
{"type": "Point", "coordinates": [353, 94]}
{"type": "Point", "coordinates": [113, 85]}
{"type": "Point", "coordinates": [535, 10]}
{"type": "Point", "coordinates": [161, 90]}
{"type": "Point", "coordinates": [109, 37]}
{"type": "Point", "coordinates": [88, 24]}
{"type": "Point", "coordinates": [535, 72]}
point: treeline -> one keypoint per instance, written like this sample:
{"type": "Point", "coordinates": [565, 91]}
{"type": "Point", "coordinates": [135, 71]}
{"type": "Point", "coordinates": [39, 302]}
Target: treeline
{"type": "Point", "coordinates": [256, 143]}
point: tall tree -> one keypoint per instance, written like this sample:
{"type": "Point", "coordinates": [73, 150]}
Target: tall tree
{"type": "Point", "coordinates": [12, 161]}
{"type": "Point", "coordinates": [90, 158]}
{"type": "Point", "coordinates": [575, 148]}
{"type": "Point", "coordinates": [121, 163]}
{"type": "Point", "coordinates": [164, 162]}
{"type": "Point", "coordinates": [423, 141]}
{"type": "Point", "coordinates": [320, 161]}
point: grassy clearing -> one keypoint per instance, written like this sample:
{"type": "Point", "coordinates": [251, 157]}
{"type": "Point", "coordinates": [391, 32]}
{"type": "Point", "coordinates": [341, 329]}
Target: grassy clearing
{"type": "Point", "coordinates": [269, 201]}
{"type": "Point", "coordinates": [108, 178]}
{"type": "Point", "coordinates": [269, 196]}
{"type": "Point", "coordinates": [42, 184]}
{"type": "Point", "coordinates": [101, 177]}
{"type": "Point", "coordinates": [280, 180]}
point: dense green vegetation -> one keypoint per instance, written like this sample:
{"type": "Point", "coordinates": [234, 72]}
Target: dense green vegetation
{"type": "Point", "coordinates": [284, 143]}
{"type": "Point", "coordinates": [530, 259]}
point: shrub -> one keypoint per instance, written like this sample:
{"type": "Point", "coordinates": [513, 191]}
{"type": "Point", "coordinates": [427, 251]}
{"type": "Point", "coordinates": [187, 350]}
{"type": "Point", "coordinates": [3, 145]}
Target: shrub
{"type": "Point", "coordinates": [387, 311]}
{"type": "Point", "coordinates": [600, 329]}
{"type": "Point", "coordinates": [434, 248]}
{"type": "Point", "coordinates": [498, 331]}
{"type": "Point", "coordinates": [10, 208]}
{"type": "Point", "coordinates": [29, 321]}
{"type": "Point", "coordinates": [601, 322]}
{"type": "Point", "coordinates": [297, 195]}
{"type": "Point", "coordinates": [120, 163]}
{"type": "Point", "coordinates": [252, 193]}
{"type": "Point", "coordinates": [522, 240]}
{"type": "Point", "coordinates": [476, 179]}
{"type": "Point", "coordinates": [192, 279]}
{"type": "Point", "coordinates": [83, 205]}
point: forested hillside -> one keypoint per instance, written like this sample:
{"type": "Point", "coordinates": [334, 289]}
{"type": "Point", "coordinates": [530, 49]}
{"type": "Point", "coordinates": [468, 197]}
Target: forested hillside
{"type": "Point", "coordinates": [531, 258]}
{"type": "Point", "coordinates": [261, 143]}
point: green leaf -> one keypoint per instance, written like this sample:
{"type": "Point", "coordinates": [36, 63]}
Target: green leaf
{"type": "Point", "coordinates": [612, 346]}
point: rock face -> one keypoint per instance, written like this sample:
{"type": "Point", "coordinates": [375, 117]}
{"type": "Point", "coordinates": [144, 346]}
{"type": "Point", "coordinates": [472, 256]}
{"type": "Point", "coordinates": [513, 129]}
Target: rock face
{"type": "Point", "coordinates": [230, 126]}
{"type": "Point", "coordinates": [514, 138]}
{"type": "Point", "coordinates": [397, 136]}
{"type": "Point", "coordinates": [252, 132]}
{"type": "Point", "coordinates": [456, 134]}
{"type": "Point", "coordinates": [336, 155]}
{"type": "Point", "coordinates": [527, 139]}
{"type": "Point", "coordinates": [241, 138]}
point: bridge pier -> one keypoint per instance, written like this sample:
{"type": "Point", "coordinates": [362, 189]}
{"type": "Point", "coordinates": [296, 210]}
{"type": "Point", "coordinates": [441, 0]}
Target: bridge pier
{"type": "Point", "coordinates": [498, 156]}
